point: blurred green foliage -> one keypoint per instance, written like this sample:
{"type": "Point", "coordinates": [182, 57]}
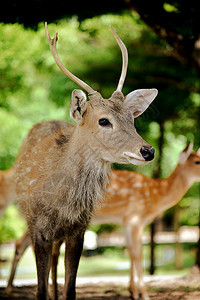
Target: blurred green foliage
{"type": "Point", "coordinates": [12, 224]}
{"type": "Point", "coordinates": [33, 89]}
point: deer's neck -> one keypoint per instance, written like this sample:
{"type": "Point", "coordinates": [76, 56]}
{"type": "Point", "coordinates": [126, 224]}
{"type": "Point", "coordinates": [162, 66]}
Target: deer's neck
{"type": "Point", "coordinates": [86, 177]}
{"type": "Point", "coordinates": [173, 188]}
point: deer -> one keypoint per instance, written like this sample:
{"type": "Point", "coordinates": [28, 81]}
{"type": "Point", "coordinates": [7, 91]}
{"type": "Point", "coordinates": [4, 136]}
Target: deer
{"type": "Point", "coordinates": [135, 200]}
{"type": "Point", "coordinates": [132, 200]}
{"type": "Point", "coordinates": [63, 169]}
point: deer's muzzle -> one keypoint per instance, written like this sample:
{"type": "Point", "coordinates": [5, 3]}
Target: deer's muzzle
{"type": "Point", "coordinates": [147, 153]}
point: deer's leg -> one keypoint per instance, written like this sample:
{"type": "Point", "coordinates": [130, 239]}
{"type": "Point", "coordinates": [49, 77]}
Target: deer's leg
{"type": "Point", "coordinates": [134, 244]}
{"type": "Point", "coordinates": [130, 244]}
{"type": "Point", "coordinates": [137, 252]}
{"type": "Point", "coordinates": [54, 264]}
{"type": "Point", "coordinates": [132, 286]}
{"type": "Point", "coordinates": [72, 256]}
{"type": "Point", "coordinates": [43, 251]}
{"type": "Point", "coordinates": [141, 286]}
{"type": "Point", "coordinates": [20, 246]}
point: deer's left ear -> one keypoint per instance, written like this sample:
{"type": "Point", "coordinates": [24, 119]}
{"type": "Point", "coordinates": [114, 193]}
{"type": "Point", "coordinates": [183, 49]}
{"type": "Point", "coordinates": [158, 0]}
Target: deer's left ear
{"type": "Point", "coordinates": [198, 152]}
{"type": "Point", "coordinates": [186, 153]}
{"type": "Point", "coordinates": [78, 105]}
{"type": "Point", "coordinates": [139, 100]}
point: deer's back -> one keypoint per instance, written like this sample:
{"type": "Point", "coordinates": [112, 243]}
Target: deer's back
{"type": "Point", "coordinates": [39, 169]}
{"type": "Point", "coordinates": [42, 147]}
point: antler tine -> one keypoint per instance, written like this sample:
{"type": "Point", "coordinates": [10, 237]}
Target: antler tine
{"type": "Point", "coordinates": [52, 44]}
{"type": "Point", "coordinates": [124, 60]}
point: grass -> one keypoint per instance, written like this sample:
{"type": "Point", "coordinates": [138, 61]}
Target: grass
{"type": "Point", "coordinates": [108, 261]}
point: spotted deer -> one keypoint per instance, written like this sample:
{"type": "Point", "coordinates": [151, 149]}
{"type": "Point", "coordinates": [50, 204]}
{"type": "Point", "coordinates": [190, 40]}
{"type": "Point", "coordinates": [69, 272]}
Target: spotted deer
{"type": "Point", "coordinates": [63, 169]}
{"type": "Point", "coordinates": [133, 200]}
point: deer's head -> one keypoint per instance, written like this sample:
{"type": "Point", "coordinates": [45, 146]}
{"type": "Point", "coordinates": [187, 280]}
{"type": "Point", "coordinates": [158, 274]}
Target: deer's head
{"type": "Point", "coordinates": [107, 125]}
{"type": "Point", "coordinates": [190, 163]}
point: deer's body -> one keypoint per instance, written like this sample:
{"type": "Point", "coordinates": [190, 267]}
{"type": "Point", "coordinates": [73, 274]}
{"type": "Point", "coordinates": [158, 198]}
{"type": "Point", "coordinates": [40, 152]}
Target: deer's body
{"type": "Point", "coordinates": [62, 170]}
{"type": "Point", "coordinates": [135, 198]}
{"type": "Point", "coordinates": [57, 202]}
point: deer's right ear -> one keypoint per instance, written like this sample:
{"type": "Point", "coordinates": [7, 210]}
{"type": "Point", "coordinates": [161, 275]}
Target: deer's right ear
{"type": "Point", "coordinates": [186, 153]}
{"type": "Point", "coordinates": [78, 106]}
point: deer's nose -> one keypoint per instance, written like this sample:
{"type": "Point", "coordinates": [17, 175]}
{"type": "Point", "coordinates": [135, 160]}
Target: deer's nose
{"type": "Point", "coordinates": [147, 153]}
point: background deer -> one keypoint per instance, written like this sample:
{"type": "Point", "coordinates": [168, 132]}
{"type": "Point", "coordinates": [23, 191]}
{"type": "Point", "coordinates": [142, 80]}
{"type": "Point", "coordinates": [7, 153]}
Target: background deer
{"type": "Point", "coordinates": [133, 200]}
{"type": "Point", "coordinates": [7, 189]}
{"type": "Point", "coordinates": [62, 170]}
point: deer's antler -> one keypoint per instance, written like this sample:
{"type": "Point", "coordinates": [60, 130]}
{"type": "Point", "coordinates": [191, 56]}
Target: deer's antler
{"type": "Point", "coordinates": [124, 60]}
{"type": "Point", "coordinates": [52, 44]}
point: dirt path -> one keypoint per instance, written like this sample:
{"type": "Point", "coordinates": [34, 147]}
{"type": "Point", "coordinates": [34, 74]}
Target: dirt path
{"type": "Point", "coordinates": [184, 288]}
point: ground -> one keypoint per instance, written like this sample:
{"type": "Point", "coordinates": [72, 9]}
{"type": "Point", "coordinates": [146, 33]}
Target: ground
{"type": "Point", "coordinates": [106, 292]}
{"type": "Point", "coordinates": [183, 288]}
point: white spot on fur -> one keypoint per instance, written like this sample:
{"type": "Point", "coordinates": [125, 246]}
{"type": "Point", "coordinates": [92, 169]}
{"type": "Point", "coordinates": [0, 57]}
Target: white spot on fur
{"type": "Point", "coordinates": [34, 151]}
{"type": "Point", "coordinates": [137, 184]}
{"type": "Point", "coordinates": [123, 191]}
{"type": "Point", "coordinates": [32, 181]}
{"type": "Point", "coordinates": [115, 186]}
{"type": "Point", "coordinates": [109, 189]}
{"type": "Point", "coordinates": [134, 219]}
{"type": "Point", "coordinates": [119, 203]}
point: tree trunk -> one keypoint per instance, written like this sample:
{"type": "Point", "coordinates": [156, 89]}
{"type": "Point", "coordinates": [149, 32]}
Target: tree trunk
{"type": "Point", "coordinates": [178, 247]}
{"type": "Point", "coordinates": [198, 244]}
{"type": "Point", "coordinates": [152, 248]}
{"type": "Point", "coordinates": [157, 174]}
{"type": "Point", "coordinates": [198, 247]}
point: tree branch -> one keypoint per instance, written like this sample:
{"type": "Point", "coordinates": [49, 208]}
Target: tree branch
{"type": "Point", "coordinates": [179, 28]}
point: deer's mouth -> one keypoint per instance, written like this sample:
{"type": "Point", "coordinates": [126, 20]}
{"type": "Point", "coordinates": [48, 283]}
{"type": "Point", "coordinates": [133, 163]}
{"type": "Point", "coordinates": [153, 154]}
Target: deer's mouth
{"type": "Point", "coordinates": [134, 159]}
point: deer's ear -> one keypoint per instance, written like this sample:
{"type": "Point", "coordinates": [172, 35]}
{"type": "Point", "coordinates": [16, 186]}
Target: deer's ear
{"type": "Point", "coordinates": [78, 106]}
{"type": "Point", "coordinates": [186, 153]}
{"type": "Point", "coordinates": [139, 100]}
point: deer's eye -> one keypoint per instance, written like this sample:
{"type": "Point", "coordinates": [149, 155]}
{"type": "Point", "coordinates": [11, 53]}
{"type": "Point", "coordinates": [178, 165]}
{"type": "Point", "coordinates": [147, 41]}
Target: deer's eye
{"type": "Point", "coordinates": [105, 123]}
{"type": "Point", "coordinates": [197, 162]}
